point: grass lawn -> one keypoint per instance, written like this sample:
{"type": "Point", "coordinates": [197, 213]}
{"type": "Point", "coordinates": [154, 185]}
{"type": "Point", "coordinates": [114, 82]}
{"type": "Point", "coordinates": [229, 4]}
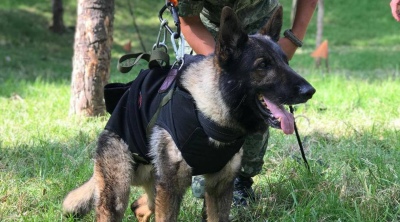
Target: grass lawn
{"type": "Point", "coordinates": [350, 129]}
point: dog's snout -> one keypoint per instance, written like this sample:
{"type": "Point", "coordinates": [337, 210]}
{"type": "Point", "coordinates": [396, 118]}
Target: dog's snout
{"type": "Point", "coordinates": [306, 91]}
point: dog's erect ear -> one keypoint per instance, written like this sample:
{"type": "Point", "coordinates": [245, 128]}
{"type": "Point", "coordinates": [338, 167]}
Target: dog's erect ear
{"type": "Point", "coordinates": [273, 27]}
{"type": "Point", "coordinates": [232, 37]}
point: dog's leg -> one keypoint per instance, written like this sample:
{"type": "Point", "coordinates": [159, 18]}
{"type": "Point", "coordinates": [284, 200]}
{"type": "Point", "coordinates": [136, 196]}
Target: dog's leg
{"type": "Point", "coordinates": [143, 207]}
{"type": "Point", "coordinates": [112, 175]}
{"type": "Point", "coordinates": [218, 201]}
{"type": "Point", "coordinates": [169, 197]}
{"type": "Point", "coordinates": [173, 176]}
{"type": "Point", "coordinates": [219, 190]}
{"type": "Point", "coordinates": [218, 206]}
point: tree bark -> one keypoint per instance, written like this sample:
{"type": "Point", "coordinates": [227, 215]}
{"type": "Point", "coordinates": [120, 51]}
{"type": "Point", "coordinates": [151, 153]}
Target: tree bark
{"type": "Point", "coordinates": [320, 23]}
{"type": "Point", "coordinates": [92, 56]}
{"type": "Point", "coordinates": [58, 21]}
{"type": "Point", "coordinates": [293, 11]}
{"type": "Point", "coordinates": [320, 29]}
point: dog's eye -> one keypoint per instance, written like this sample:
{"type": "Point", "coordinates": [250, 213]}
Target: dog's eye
{"type": "Point", "coordinates": [262, 65]}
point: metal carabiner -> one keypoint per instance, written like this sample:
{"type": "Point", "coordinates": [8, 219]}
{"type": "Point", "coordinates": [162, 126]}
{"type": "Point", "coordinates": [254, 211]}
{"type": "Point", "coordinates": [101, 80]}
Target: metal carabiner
{"type": "Point", "coordinates": [180, 49]}
{"type": "Point", "coordinates": [175, 36]}
{"type": "Point", "coordinates": [162, 31]}
{"type": "Point", "coordinates": [174, 12]}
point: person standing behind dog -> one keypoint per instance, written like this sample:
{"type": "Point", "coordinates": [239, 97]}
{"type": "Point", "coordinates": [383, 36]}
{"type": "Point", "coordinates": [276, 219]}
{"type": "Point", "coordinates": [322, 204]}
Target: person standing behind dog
{"type": "Point", "coordinates": [395, 6]}
{"type": "Point", "coordinates": [199, 24]}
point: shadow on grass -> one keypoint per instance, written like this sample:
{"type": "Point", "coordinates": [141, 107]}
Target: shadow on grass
{"type": "Point", "coordinates": [29, 47]}
{"type": "Point", "coordinates": [30, 51]}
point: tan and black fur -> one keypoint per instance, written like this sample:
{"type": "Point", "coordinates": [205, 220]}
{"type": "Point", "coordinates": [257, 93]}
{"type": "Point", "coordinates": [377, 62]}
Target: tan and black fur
{"type": "Point", "coordinates": [226, 88]}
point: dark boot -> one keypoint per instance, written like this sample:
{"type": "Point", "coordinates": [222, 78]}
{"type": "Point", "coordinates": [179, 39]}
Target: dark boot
{"type": "Point", "coordinates": [243, 194]}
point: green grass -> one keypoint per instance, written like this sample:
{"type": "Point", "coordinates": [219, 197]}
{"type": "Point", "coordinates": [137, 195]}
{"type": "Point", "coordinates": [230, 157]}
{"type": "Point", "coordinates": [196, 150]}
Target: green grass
{"type": "Point", "coordinates": [350, 129]}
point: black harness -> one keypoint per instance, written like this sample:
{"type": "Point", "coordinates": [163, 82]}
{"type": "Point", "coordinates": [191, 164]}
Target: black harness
{"type": "Point", "coordinates": [147, 103]}
{"type": "Point", "coordinates": [138, 106]}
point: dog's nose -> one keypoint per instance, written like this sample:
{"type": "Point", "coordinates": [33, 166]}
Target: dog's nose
{"type": "Point", "coordinates": [306, 91]}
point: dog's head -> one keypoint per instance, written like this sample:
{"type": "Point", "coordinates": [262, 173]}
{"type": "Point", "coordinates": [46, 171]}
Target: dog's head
{"type": "Point", "coordinates": [256, 80]}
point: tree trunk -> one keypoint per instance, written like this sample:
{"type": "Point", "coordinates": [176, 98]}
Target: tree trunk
{"type": "Point", "coordinates": [92, 56]}
{"type": "Point", "coordinates": [320, 23]}
{"type": "Point", "coordinates": [293, 12]}
{"type": "Point", "coordinates": [320, 29]}
{"type": "Point", "coordinates": [58, 21]}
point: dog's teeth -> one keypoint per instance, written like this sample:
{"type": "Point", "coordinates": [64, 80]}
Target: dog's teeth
{"type": "Point", "coordinates": [265, 104]}
{"type": "Point", "coordinates": [261, 98]}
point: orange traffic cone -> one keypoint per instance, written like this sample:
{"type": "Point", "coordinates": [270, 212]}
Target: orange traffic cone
{"type": "Point", "coordinates": [321, 52]}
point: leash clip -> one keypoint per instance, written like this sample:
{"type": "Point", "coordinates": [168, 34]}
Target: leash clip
{"type": "Point", "coordinates": [175, 16]}
{"type": "Point", "coordinates": [180, 50]}
{"type": "Point", "coordinates": [162, 44]}
{"type": "Point", "coordinates": [175, 36]}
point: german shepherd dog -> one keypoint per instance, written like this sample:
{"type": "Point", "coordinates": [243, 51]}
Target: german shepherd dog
{"type": "Point", "coordinates": [241, 87]}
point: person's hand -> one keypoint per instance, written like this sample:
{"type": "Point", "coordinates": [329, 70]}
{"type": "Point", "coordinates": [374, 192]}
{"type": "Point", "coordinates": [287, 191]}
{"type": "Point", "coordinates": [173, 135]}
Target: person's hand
{"type": "Point", "coordinates": [288, 47]}
{"type": "Point", "coordinates": [395, 6]}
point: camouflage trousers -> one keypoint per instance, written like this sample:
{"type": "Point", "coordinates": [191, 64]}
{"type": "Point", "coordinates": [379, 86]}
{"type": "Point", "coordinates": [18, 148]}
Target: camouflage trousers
{"type": "Point", "coordinates": [254, 149]}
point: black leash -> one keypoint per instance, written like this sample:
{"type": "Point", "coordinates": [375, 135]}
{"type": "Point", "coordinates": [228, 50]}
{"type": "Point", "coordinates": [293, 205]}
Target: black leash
{"type": "Point", "coordinates": [299, 142]}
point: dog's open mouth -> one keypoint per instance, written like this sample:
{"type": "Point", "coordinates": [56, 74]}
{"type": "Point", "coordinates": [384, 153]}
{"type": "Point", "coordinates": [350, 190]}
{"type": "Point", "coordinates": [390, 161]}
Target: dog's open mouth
{"type": "Point", "coordinates": [276, 115]}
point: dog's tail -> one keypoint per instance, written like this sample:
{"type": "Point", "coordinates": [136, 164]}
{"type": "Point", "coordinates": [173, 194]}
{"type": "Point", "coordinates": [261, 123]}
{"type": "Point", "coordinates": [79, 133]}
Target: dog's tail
{"type": "Point", "coordinates": [80, 201]}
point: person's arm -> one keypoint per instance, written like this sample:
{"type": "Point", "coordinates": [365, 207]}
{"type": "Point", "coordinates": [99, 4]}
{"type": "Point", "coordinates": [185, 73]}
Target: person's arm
{"type": "Point", "coordinates": [304, 12]}
{"type": "Point", "coordinates": [197, 35]}
{"type": "Point", "coordinates": [395, 6]}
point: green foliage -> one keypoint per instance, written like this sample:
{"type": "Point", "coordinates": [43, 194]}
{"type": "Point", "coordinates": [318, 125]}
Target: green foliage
{"type": "Point", "coordinates": [350, 129]}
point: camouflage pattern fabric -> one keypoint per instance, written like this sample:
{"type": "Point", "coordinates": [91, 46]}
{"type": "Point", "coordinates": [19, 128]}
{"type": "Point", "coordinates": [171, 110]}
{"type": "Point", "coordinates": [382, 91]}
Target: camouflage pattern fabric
{"type": "Point", "coordinates": [252, 13]}
{"type": "Point", "coordinates": [254, 149]}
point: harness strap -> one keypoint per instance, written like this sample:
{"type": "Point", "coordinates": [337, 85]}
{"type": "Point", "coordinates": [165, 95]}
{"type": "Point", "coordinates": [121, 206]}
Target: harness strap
{"type": "Point", "coordinates": [222, 134]}
{"type": "Point", "coordinates": [124, 64]}
{"type": "Point", "coordinates": [156, 58]}
{"type": "Point", "coordinates": [163, 102]}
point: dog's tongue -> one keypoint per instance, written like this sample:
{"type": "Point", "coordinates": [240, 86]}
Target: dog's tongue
{"type": "Point", "coordinates": [286, 118]}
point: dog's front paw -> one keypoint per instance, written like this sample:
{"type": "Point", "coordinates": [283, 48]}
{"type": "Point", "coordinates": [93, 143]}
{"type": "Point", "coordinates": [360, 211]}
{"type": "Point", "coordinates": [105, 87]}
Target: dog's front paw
{"type": "Point", "coordinates": [141, 209]}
